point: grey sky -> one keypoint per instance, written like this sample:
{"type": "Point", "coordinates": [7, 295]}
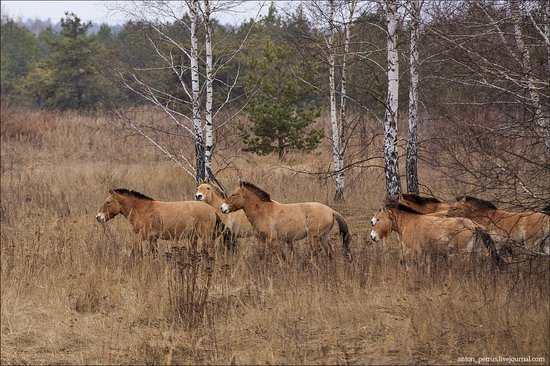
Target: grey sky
{"type": "Point", "coordinates": [96, 11]}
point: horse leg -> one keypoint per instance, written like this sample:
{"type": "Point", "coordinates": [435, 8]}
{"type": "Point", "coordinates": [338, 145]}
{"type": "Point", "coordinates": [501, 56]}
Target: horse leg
{"type": "Point", "coordinates": [153, 245]}
{"type": "Point", "coordinates": [276, 249]}
{"type": "Point", "coordinates": [314, 247]}
{"type": "Point", "coordinates": [408, 254]}
{"type": "Point", "coordinates": [327, 246]}
{"type": "Point", "coordinates": [290, 245]}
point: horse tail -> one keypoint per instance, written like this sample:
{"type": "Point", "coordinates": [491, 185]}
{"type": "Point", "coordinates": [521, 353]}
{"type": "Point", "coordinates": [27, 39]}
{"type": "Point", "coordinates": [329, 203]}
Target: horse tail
{"type": "Point", "coordinates": [344, 233]}
{"type": "Point", "coordinates": [221, 229]}
{"type": "Point", "coordinates": [490, 245]}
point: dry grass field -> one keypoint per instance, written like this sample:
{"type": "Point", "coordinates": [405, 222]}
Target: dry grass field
{"type": "Point", "coordinates": [71, 294]}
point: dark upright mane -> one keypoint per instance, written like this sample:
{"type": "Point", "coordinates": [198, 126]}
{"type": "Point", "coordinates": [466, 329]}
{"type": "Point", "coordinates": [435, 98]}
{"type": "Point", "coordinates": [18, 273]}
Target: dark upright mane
{"type": "Point", "coordinates": [419, 200]}
{"type": "Point", "coordinates": [396, 205]}
{"type": "Point", "coordinates": [127, 192]}
{"type": "Point", "coordinates": [477, 201]}
{"type": "Point", "coordinates": [262, 195]}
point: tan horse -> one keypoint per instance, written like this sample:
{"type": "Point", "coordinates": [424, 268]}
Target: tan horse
{"type": "Point", "coordinates": [152, 220]}
{"type": "Point", "coordinates": [274, 222]}
{"type": "Point", "coordinates": [236, 221]}
{"type": "Point", "coordinates": [423, 204]}
{"type": "Point", "coordinates": [530, 230]}
{"type": "Point", "coordinates": [430, 234]}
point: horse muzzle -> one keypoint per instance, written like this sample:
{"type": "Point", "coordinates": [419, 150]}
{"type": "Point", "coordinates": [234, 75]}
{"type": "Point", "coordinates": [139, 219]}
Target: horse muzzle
{"type": "Point", "coordinates": [225, 208]}
{"type": "Point", "coordinates": [373, 236]}
{"type": "Point", "coordinates": [100, 218]}
{"type": "Point", "coordinates": [199, 197]}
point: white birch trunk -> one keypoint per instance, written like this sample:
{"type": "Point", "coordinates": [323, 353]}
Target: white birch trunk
{"type": "Point", "coordinates": [209, 139]}
{"type": "Point", "coordinates": [339, 172]}
{"type": "Point", "coordinates": [540, 120]}
{"type": "Point", "coordinates": [412, 136]}
{"type": "Point", "coordinates": [337, 157]}
{"type": "Point", "coordinates": [391, 156]}
{"type": "Point", "coordinates": [195, 91]}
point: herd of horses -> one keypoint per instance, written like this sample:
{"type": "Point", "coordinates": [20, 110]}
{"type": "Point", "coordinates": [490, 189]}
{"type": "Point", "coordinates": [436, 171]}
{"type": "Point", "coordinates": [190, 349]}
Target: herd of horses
{"type": "Point", "coordinates": [465, 230]}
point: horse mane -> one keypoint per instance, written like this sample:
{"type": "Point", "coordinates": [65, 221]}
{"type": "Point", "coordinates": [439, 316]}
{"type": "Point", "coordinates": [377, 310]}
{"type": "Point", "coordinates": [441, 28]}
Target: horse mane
{"type": "Point", "coordinates": [127, 192]}
{"type": "Point", "coordinates": [397, 205]}
{"type": "Point", "coordinates": [477, 201]}
{"type": "Point", "coordinates": [419, 200]}
{"type": "Point", "coordinates": [262, 195]}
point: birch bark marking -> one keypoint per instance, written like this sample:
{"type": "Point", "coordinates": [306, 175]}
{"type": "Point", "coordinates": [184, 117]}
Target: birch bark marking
{"type": "Point", "coordinates": [336, 143]}
{"type": "Point", "coordinates": [391, 157]}
{"type": "Point", "coordinates": [195, 91]}
{"type": "Point", "coordinates": [412, 137]}
{"type": "Point", "coordinates": [540, 120]}
{"type": "Point", "coordinates": [209, 139]}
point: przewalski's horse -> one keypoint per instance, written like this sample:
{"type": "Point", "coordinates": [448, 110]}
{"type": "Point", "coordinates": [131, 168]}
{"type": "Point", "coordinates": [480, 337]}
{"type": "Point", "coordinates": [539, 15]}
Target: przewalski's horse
{"type": "Point", "coordinates": [152, 220]}
{"type": "Point", "coordinates": [274, 222]}
{"type": "Point", "coordinates": [431, 234]}
{"type": "Point", "coordinates": [236, 221]}
{"type": "Point", "coordinates": [529, 230]}
{"type": "Point", "coordinates": [423, 204]}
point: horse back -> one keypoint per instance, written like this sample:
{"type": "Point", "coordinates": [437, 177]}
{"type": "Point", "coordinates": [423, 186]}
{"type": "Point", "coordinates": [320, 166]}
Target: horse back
{"type": "Point", "coordinates": [437, 233]}
{"type": "Point", "coordinates": [176, 219]}
{"type": "Point", "coordinates": [293, 221]}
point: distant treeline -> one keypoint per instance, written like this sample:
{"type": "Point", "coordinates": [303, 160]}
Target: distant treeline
{"type": "Point", "coordinates": [463, 58]}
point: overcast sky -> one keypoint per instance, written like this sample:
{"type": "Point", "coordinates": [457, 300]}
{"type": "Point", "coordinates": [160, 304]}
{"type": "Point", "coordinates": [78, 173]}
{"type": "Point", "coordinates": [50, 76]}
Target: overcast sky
{"type": "Point", "coordinates": [97, 12]}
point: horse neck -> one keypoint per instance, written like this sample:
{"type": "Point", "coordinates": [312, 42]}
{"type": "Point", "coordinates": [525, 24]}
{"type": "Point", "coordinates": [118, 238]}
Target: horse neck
{"type": "Point", "coordinates": [484, 213]}
{"type": "Point", "coordinates": [216, 201]}
{"type": "Point", "coordinates": [254, 208]}
{"type": "Point", "coordinates": [132, 207]}
{"type": "Point", "coordinates": [399, 219]}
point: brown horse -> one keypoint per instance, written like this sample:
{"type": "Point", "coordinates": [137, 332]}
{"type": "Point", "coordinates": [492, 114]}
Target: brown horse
{"type": "Point", "coordinates": [430, 234]}
{"type": "Point", "coordinates": [152, 220]}
{"type": "Point", "coordinates": [273, 221]}
{"type": "Point", "coordinates": [528, 230]}
{"type": "Point", "coordinates": [236, 221]}
{"type": "Point", "coordinates": [423, 204]}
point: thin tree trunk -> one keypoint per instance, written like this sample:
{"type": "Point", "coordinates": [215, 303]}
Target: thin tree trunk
{"type": "Point", "coordinates": [195, 92]}
{"type": "Point", "coordinates": [391, 156]}
{"type": "Point", "coordinates": [539, 118]}
{"type": "Point", "coordinates": [412, 137]}
{"type": "Point", "coordinates": [209, 139]}
{"type": "Point", "coordinates": [337, 157]}
{"type": "Point", "coordinates": [340, 175]}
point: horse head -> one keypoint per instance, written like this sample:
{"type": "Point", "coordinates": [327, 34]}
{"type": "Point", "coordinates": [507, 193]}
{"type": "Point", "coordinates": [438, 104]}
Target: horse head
{"type": "Point", "coordinates": [381, 225]}
{"type": "Point", "coordinates": [204, 193]}
{"type": "Point", "coordinates": [110, 208]}
{"type": "Point", "coordinates": [235, 201]}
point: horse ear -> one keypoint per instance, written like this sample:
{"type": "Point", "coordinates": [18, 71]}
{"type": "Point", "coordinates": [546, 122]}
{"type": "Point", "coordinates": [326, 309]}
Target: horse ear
{"type": "Point", "coordinates": [111, 191]}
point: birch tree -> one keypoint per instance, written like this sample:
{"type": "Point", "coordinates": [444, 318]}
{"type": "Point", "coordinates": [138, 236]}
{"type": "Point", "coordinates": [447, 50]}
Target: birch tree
{"type": "Point", "coordinates": [195, 92]}
{"type": "Point", "coordinates": [191, 109]}
{"type": "Point", "coordinates": [391, 155]}
{"type": "Point", "coordinates": [333, 20]}
{"type": "Point", "coordinates": [412, 137]}
{"type": "Point", "coordinates": [528, 78]}
{"type": "Point", "coordinates": [209, 137]}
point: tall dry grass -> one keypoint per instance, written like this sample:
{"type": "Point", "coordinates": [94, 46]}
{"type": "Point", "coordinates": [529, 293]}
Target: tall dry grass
{"type": "Point", "coordinates": [71, 294]}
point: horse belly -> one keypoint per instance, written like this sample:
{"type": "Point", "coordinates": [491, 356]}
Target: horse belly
{"type": "Point", "coordinates": [177, 232]}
